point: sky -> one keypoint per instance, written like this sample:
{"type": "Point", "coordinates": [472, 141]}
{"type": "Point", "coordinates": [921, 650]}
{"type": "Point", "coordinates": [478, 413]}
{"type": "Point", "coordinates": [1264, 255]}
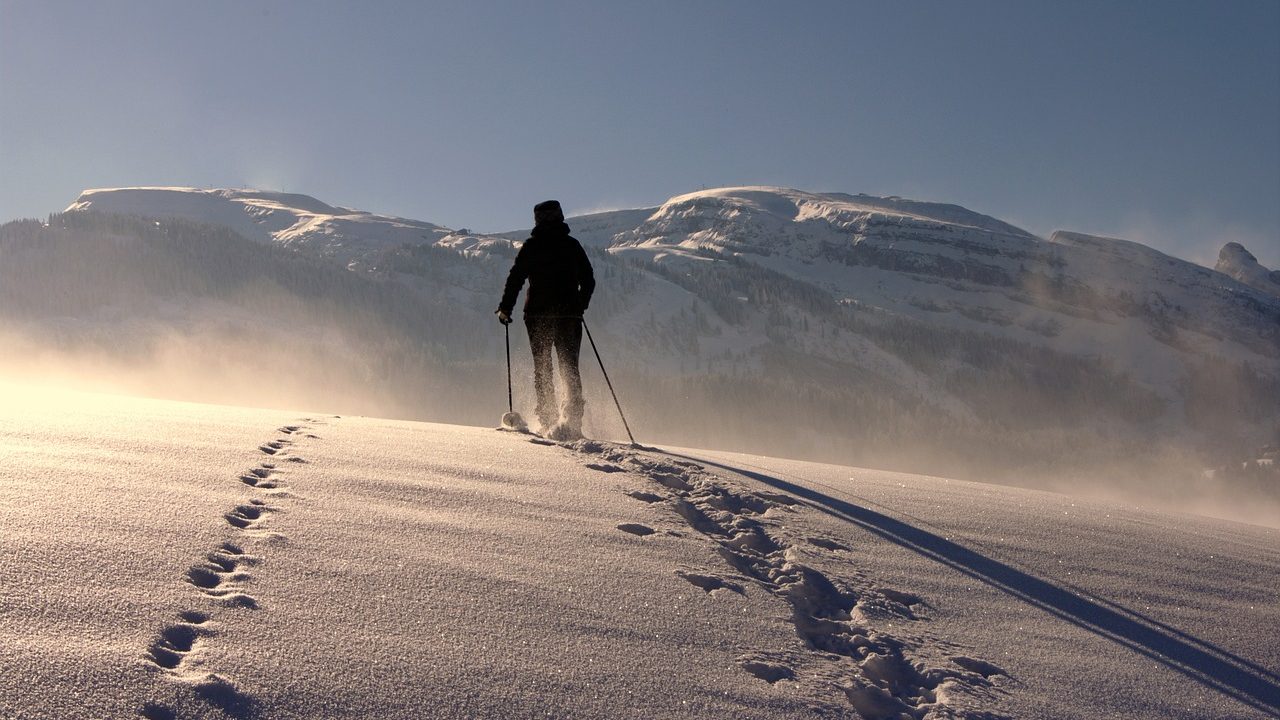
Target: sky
{"type": "Point", "coordinates": [1153, 121]}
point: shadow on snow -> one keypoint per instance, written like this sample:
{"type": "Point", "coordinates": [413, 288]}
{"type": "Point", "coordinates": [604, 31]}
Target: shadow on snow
{"type": "Point", "coordinates": [1201, 661]}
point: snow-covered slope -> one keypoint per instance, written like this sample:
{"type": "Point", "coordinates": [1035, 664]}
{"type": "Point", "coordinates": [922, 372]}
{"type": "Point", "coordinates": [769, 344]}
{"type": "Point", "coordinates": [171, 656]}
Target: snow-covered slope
{"type": "Point", "coordinates": [289, 219]}
{"type": "Point", "coordinates": [1239, 263]}
{"type": "Point", "coordinates": [1077, 293]}
{"type": "Point", "coordinates": [771, 220]}
{"type": "Point", "coordinates": [1151, 316]}
{"type": "Point", "coordinates": [600, 229]}
{"type": "Point", "coordinates": [169, 560]}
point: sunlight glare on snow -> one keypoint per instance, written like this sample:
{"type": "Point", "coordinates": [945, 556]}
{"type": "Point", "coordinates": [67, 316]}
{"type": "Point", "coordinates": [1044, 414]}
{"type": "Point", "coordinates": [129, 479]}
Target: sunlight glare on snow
{"type": "Point", "coordinates": [50, 400]}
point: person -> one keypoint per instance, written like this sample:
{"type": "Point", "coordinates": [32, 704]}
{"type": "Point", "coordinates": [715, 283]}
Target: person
{"type": "Point", "coordinates": [560, 286]}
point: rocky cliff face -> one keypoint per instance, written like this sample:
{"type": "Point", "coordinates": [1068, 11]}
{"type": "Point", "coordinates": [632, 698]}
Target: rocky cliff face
{"type": "Point", "coordinates": [1234, 260]}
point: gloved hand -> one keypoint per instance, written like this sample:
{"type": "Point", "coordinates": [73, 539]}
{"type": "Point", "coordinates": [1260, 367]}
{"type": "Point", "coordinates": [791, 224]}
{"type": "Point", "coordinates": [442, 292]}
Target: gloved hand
{"type": "Point", "coordinates": [503, 318]}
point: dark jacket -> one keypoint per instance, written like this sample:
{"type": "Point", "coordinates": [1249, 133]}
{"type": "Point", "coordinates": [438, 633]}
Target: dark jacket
{"type": "Point", "coordinates": [558, 271]}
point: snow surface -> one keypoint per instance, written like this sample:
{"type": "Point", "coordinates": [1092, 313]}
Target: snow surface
{"type": "Point", "coordinates": [167, 560]}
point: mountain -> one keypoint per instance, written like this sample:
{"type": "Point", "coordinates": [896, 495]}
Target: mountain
{"type": "Point", "coordinates": [1075, 293]}
{"type": "Point", "coordinates": [288, 219]}
{"type": "Point", "coordinates": [176, 560]}
{"type": "Point", "coordinates": [878, 331]}
{"type": "Point", "coordinates": [1239, 263]}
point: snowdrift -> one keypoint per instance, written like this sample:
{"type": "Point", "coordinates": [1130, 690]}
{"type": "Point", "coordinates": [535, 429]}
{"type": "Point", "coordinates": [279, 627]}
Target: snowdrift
{"type": "Point", "coordinates": [166, 560]}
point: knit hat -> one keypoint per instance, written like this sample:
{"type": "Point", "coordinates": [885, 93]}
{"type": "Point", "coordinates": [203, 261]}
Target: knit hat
{"type": "Point", "coordinates": [547, 212]}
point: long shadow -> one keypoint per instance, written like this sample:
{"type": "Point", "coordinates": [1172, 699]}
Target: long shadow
{"type": "Point", "coordinates": [1193, 658]}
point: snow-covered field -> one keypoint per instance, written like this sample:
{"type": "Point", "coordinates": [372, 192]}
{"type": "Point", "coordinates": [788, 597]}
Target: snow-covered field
{"type": "Point", "coordinates": [170, 560]}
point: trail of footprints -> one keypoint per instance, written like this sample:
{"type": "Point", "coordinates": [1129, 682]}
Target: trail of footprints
{"type": "Point", "coordinates": [863, 640]}
{"type": "Point", "coordinates": [221, 577]}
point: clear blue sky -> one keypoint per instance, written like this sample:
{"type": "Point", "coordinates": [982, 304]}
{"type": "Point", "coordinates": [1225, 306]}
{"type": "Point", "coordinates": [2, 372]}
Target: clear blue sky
{"type": "Point", "coordinates": [1155, 121]}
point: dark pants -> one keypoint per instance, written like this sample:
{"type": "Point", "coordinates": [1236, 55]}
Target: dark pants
{"type": "Point", "coordinates": [564, 336]}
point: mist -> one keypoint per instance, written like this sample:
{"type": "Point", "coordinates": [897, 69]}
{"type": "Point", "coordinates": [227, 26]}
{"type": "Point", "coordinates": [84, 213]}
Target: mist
{"type": "Point", "coordinates": [301, 363]}
{"type": "Point", "coordinates": [210, 364]}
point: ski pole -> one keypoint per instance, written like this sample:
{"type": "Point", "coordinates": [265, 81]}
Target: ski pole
{"type": "Point", "coordinates": [610, 384]}
{"type": "Point", "coordinates": [510, 404]}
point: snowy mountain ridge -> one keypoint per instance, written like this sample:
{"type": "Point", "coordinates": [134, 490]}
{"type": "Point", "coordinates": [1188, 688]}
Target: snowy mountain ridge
{"type": "Point", "coordinates": [689, 221]}
{"type": "Point", "coordinates": [942, 258]}
{"type": "Point", "coordinates": [839, 210]}
{"type": "Point", "coordinates": [754, 219]}
{"type": "Point", "coordinates": [1239, 263]}
{"type": "Point", "coordinates": [289, 219]}
{"type": "Point", "coordinates": [947, 264]}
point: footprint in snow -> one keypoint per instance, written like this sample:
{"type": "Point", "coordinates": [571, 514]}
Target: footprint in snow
{"type": "Point", "coordinates": [981, 667]}
{"type": "Point", "coordinates": [156, 711]}
{"type": "Point", "coordinates": [215, 582]}
{"type": "Point", "coordinates": [273, 447]}
{"type": "Point", "coordinates": [671, 482]}
{"type": "Point", "coordinates": [900, 597]}
{"type": "Point", "coordinates": [709, 583]}
{"type": "Point", "coordinates": [644, 496]}
{"type": "Point", "coordinates": [604, 467]}
{"type": "Point", "coordinates": [176, 641]}
{"type": "Point", "coordinates": [826, 544]}
{"type": "Point", "coordinates": [636, 529]}
{"type": "Point", "coordinates": [264, 477]}
{"type": "Point", "coordinates": [245, 516]}
{"type": "Point", "coordinates": [223, 694]}
{"type": "Point", "coordinates": [205, 578]}
{"type": "Point", "coordinates": [770, 672]}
